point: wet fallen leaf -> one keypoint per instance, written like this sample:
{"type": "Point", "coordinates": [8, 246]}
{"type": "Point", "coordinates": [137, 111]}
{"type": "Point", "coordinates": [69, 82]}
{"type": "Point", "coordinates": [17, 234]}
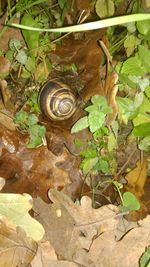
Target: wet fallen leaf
{"type": "Point", "coordinates": [16, 207]}
{"type": "Point", "coordinates": [70, 227]}
{"type": "Point", "coordinates": [34, 171]}
{"type": "Point", "coordinates": [16, 249]}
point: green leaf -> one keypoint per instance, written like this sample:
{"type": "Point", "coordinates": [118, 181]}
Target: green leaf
{"type": "Point", "coordinates": [80, 125]}
{"type": "Point", "coordinates": [91, 108]}
{"type": "Point", "coordinates": [130, 44]}
{"type": "Point", "coordinates": [21, 57]}
{"type": "Point", "coordinates": [30, 64]}
{"type": "Point", "coordinates": [143, 115]}
{"type": "Point", "coordinates": [147, 91]}
{"type": "Point", "coordinates": [31, 39]}
{"type": "Point", "coordinates": [32, 119]}
{"type": "Point", "coordinates": [133, 66]}
{"type": "Point", "coordinates": [102, 165]}
{"type": "Point", "coordinates": [96, 120]}
{"type": "Point", "coordinates": [62, 3]}
{"type": "Point", "coordinates": [142, 129]}
{"type": "Point", "coordinates": [36, 132]}
{"type": "Point", "coordinates": [15, 207]}
{"type": "Point", "coordinates": [130, 202]}
{"type": "Point", "coordinates": [126, 80]}
{"type": "Point", "coordinates": [21, 117]}
{"type": "Point", "coordinates": [127, 109]}
{"type": "Point", "coordinates": [104, 8]}
{"type": "Point", "coordinates": [112, 142]}
{"type": "Point", "coordinates": [99, 100]}
{"type": "Point", "coordinates": [143, 26]}
{"type": "Point", "coordinates": [144, 144]}
{"type": "Point", "coordinates": [144, 54]}
{"type": "Point", "coordinates": [89, 153]}
{"type": "Point", "coordinates": [145, 259]}
{"type": "Point", "coordinates": [33, 102]}
{"type": "Point", "coordinates": [88, 164]}
{"type": "Point", "coordinates": [100, 132]}
{"type": "Point", "coordinates": [14, 44]}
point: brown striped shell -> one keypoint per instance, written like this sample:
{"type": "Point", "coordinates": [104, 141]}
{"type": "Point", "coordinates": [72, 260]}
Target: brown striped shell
{"type": "Point", "coordinates": [57, 101]}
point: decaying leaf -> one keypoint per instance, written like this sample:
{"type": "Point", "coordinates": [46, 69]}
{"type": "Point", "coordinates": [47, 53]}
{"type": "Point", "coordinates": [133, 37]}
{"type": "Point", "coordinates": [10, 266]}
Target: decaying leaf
{"type": "Point", "coordinates": [15, 207]}
{"type": "Point", "coordinates": [16, 249]}
{"type": "Point", "coordinates": [70, 227]}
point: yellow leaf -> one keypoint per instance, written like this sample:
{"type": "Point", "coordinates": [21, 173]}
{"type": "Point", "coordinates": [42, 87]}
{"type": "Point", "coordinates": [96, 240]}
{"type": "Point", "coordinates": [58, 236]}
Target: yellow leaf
{"type": "Point", "coordinates": [137, 178]}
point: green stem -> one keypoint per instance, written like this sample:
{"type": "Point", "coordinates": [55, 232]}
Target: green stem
{"type": "Point", "coordinates": [90, 25]}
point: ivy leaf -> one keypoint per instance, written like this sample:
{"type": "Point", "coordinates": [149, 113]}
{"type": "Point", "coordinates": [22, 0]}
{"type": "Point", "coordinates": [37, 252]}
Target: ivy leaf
{"type": "Point", "coordinates": [130, 202]}
{"type": "Point", "coordinates": [80, 125]}
{"type": "Point", "coordinates": [96, 120]}
{"type": "Point", "coordinates": [104, 8]}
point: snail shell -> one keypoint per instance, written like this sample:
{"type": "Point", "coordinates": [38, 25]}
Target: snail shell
{"type": "Point", "coordinates": [57, 101]}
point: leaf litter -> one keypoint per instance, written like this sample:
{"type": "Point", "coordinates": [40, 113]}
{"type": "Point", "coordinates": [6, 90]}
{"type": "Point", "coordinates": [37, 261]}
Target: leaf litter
{"type": "Point", "coordinates": [75, 233]}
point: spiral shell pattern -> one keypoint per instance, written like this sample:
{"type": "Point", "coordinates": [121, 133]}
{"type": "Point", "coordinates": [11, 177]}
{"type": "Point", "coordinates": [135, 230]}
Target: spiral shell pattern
{"type": "Point", "coordinates": [57, 101]}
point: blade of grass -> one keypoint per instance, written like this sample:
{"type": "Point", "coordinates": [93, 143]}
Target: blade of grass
{"type": "Point", "coordinates": [90, 25]}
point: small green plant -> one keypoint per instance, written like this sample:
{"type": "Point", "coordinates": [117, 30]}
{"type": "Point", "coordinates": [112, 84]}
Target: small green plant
{"type": "Point", "coordinates": [128, 200]}
{"type": "Point", "coordinates": [28, 123]}
{"type": "Point", "coordinates": [98, 154]}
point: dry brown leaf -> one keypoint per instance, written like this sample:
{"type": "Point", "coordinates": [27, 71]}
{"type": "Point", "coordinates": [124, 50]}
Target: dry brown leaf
{"type": "Point", "coordinates": [2, 183]}
{"type": "Point", "coordinates": [106, 251]}
{"type": "Point", "coordinates": [4, 66]}
{"type": "Point", "coordinates": [7, 121]}
{"type": "Point", "coordinates": [137, 178]}
{"type": "Point", "coordinates": [46, 257]}
{"type": "Point", "coordinates": [70, 227]}
{"type": "Point", "coordinates": [15, 248]}
{"type": "Point", "coordinates": [6, 96]}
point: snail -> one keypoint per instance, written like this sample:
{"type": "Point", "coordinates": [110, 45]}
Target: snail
{"type": "Point", "coordinates": [57, 101]}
